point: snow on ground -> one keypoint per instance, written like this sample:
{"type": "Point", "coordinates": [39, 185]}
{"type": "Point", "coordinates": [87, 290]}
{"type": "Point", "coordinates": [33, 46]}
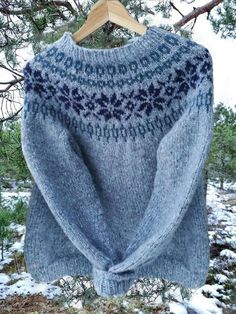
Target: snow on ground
{"type": "Point", "coordinates": [210, 298]}
{"type": "Point", "coordinates": [22, 284]}
{"type": "Point", "coordinates": [203, 305]}
{"type": "Point", "coordinates": [177, 308]}
{"type": "Point", "coordinates": [198, 304]}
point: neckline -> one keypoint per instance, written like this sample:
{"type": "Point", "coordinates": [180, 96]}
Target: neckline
{"type": "Point", "coordinates": [130, 51]}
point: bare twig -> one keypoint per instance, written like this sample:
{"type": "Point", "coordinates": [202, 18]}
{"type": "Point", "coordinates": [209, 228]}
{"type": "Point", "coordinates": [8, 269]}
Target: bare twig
{"type": "Point", "coordinates": [80, 7]}
{"type": "Point", "coordinates": [175, 8]}
{"type": "Point", "coordinates": [10, 70]}
{"type": "Point", "coordinates": [193, 23]}
{"type": "Point", "coordinates": [10, 84]}
{"type": "Point", "coordinates": [197, 11]}
{"type": "Point", "coordinates": [11, 117]}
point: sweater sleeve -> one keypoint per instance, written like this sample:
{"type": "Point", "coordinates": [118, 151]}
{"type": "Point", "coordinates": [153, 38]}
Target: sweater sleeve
{"type": "Point", "coordinates": [180, 157]}
{"type": "Point", "coordinates": [57, 166]}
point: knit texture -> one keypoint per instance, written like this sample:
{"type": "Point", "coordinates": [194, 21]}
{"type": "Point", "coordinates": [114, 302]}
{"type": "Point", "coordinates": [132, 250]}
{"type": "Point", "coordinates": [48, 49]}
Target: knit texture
{"type": "Point", "coordinates": [116, 141]}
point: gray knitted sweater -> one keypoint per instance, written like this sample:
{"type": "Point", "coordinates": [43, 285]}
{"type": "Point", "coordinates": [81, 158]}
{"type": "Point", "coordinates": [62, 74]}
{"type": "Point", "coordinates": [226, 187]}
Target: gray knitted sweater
{"type": "Point", "coordinates": [116, 141]}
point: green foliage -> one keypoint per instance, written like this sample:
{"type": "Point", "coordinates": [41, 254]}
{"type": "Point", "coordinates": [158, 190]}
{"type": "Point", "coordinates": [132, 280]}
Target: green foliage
{"type": "Point", "coordinates": [185, 33]}
{"type": "Point", "coordinates": [225, 20]}
{"type": "Point", "coordinates": [164, 8]}
{"type": "Point", "coordinates": [222, 156]}
{"type": "Point", "coordinates": [186, 293]}
{"type": "Point", "coordinates": [20, 211]}
{"type": "Point", "coordinates": [5, 221]}
{"type": "Point", "coordinates": [8, 214]}
{"type": "Point", "coordinates": [12, 162]}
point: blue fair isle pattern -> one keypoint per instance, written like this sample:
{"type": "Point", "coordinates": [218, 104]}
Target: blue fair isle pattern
{"type": "Point", "coordinates": [96, 131]}
{"type": "Point", "coordinates": [139, 103]}
{"type": "Point", "coordinates": [171, 47]}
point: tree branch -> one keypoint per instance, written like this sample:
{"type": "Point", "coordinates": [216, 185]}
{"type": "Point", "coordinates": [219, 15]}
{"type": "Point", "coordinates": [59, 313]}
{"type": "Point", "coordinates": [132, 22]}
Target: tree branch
{"type": "Point", "coordinates": [11, 117]}
{"type": "Point", "coordinates": [38, 7]}
{"type": "Point", "coordinates": [197, 11]}
{"type": "Point", "coordinates": [80, 7]}
{"type": "Point", "coordinates": [10, 84]}
{"type": "Point", "coordinates": [10, 70]}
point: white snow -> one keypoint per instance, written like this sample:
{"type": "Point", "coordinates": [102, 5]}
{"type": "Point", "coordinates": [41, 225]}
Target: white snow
{"type": "Point", "coordinates": [20, 229]}
{"type": "Point", "coordinates": [4, 278]}
{"type": "Point", "coordinates": [213, 289]}
{"type": "Point", "coordinates": [17, 247]}
{"type": "Point", "coordinates": [202, 305]}
{"type": "Point", "coordinates": [229, 254]}
{"type": "Point", "coordinates": [76, 304]}
{"type": "Point", "coordinates": [177, 308]}
{"type": "Point", "coordinates": [221, 278]}
{"type": "Point", "coordinates": [25, 285]}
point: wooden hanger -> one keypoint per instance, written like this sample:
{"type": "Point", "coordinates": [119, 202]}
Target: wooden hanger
{"type": "Point", "coordinates": [108, 10]}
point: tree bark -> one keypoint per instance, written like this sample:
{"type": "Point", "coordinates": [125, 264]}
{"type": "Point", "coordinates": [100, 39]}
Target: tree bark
{"type": "Point", "coordinates": [196, 12]}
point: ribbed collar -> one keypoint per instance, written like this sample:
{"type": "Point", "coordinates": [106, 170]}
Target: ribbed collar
{"type": "Point", "coordinates": [141, 45]}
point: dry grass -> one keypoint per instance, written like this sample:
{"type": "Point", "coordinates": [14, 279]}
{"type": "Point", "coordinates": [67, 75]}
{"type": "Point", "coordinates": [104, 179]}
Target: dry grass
{"type": "Point", "coordinates": [34, 304]}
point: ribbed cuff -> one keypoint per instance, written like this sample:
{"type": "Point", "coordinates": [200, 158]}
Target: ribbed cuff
{"type": "Point", "coordinates": [108, 284]}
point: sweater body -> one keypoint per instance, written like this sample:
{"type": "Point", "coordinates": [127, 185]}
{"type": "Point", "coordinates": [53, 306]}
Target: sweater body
{"type": "Point", "coordinates": [116, 141]}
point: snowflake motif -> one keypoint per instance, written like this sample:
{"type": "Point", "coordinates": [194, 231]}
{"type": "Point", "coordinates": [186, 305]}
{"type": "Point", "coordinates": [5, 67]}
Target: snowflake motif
{"type": "Point", "coordinates": [130, 105]}
{"type": "Point", "coordinates": [90, 105]}
{"type": "Point", "coordinates": [76, 100]}
{"type": "Point", "coordinates": [38, 76]}
{"type": "Point", "coordinates": [27, 81]}
{"type": "Point", "coordinates": [27, 85]}
{"type": "Point", "coordinates": [150, 99]}
{"type": "Point", "coordinates": [51, 91]}
{"type": "Point", "coordinates": [192, 77]}
{"type": "Point", "coordinates": [184, 87]}
{"type": "Point", "coordinates": [121, 105]}
{"type": "Point", "coordinates": [110, 106]}
{"type": "Point", "coordinates": [169, 89]}
{"type": "Point", "coordinates": [180, 78]}
{"type": "Point", "coordinates": [205, 67]}
{"type": "Point", "coordinates": [189, 78]}
{"type": "Point", "coordinates": [65, 96]}
{"type": "Point", "coordinates": [39, 89]}
{"type": "Point", "coordinates": [39, 86]}
{"type": "Point", "coordinates": [71, 98]}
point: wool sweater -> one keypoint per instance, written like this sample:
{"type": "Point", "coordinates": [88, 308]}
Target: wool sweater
{"type": "Point", "coordinates": [116, 141]}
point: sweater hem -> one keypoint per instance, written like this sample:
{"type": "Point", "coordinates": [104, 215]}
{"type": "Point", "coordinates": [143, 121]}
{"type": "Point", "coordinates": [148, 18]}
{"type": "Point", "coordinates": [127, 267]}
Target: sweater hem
{"type": "Point", "coordinates": [111, 284]}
